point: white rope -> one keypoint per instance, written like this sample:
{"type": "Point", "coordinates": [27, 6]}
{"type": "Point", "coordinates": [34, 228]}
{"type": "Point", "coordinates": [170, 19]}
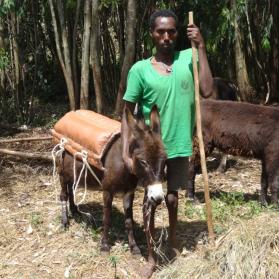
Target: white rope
{"type": "Point", "coordinates": [57, 152]}
{"type": "Point", "coordinates": [157, 245]}
{"type": "Point", "coordinates": [92, 172]}
{"type": "Point", "coordinates": [83, 155]}
{"type": "Point", "coordinates": [85, 166]}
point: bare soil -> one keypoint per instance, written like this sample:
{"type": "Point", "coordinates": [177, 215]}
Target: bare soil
{"type": "Point", "coordinates": [34, 245]}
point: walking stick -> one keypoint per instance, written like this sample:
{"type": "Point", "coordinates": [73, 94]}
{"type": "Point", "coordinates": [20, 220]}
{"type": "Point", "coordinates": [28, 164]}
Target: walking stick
{"type": "Point", "coordinates": [200, 138]}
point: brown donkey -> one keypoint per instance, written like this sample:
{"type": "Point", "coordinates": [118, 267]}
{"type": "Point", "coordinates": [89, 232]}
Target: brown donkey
{"type": "Point", "coordinates": [142, 149]}
{"type": "Point", "coordinates": [241, 129]}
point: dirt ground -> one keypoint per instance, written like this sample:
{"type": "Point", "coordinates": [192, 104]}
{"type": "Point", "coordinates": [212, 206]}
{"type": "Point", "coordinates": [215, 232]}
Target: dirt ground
{"type": "Point", "coordinates": [34, 245]}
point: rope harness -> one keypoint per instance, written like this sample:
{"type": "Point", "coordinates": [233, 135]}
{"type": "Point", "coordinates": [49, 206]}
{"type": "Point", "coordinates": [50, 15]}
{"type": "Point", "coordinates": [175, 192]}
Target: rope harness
{"type": "Point", "coordinates": [57, 153]}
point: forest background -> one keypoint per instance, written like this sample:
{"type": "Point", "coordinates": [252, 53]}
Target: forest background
{"type": "Point", "coordinates": [77, 53]}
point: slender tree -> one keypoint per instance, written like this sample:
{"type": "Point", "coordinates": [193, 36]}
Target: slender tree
{"type": "Point", "coordinates": [95, 55]}
{"type": "Point", "coordinates": [85, 56]}
{"type": "Point", "coordinates": [274, 61]}
{"type": "Point", "coordinates": [240, 62]}
{"type": "Point", "coordinates": [63, 47]}
{"type": "Point", "coordinates": [129, 52]}
{"type": "Point", "coordinates": [75, 51]}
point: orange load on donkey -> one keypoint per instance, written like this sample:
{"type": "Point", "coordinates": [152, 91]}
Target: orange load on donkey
{"type": "Point", "coordinates": [88, 131]}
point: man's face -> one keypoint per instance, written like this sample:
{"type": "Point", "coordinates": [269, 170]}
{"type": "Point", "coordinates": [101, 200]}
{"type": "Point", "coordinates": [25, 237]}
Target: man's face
{"type": "Point", "coordinates": [164, 34]}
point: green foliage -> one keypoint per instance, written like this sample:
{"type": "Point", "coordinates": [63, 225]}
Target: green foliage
{"type": "Point", "coordinates": [6, 6]}
{"type": "Point", "coordinates": [265, 43]}
{"type": "Point", "coordinates": [109, 3]}
{"type": "Point", "coordinates": [44, 82]}
{"type": "Point", "coordinates": [113, 260]}
{"type": "Point", "coordinates": [193, 211]}
{"type": "Point", "coordinates": [4, 59]}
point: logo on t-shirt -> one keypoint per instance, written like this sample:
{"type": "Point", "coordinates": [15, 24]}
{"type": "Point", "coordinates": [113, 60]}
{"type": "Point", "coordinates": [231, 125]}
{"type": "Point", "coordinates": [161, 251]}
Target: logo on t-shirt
{"type": "Point", "coordinates": [184, 84]}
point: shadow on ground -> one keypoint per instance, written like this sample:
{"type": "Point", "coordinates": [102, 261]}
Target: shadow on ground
{"type": "Point", "coordinates": [189, 234]}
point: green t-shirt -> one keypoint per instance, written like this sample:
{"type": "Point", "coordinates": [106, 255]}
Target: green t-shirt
{"type": "Point", "coordinates": [174, 96]}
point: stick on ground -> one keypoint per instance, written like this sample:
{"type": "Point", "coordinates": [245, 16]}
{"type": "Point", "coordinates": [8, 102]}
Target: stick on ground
{"type": "Point", "coordinates": [25, 139]}
{"type": "Point", "coordinates": [26, 155]}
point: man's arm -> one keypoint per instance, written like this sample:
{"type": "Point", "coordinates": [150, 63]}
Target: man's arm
{"type": "Point", "coordinates": [205, 76]}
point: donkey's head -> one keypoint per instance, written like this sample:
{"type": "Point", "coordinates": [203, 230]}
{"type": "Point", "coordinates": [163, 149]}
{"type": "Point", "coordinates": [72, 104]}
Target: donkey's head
{"type": "Point", "coordinates": [144, 154]}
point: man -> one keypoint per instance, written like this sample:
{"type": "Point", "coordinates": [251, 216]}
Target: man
{"type": "Point", "coordinates": [166, 79]}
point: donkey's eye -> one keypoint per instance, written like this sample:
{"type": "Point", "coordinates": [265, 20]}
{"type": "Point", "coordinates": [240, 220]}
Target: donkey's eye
{"type": "Point", "coordinates": [143, 163]}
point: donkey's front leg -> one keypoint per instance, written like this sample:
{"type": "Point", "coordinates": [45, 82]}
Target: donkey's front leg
{"type": "Point", "coordinates": [264, 185]}
{"type": "Point", "coordinates": [148, 220]}
{"type": "Point", "coordinates": [129, 223]}
{"type": "Point", "coordinates": [274, 187]}
{"type": "Point", "coordinates": [107, 198]}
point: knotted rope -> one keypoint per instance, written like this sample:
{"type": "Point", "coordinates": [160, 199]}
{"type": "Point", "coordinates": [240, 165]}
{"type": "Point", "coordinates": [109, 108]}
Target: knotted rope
{"type": "Point", "coordinates": [85, 166]}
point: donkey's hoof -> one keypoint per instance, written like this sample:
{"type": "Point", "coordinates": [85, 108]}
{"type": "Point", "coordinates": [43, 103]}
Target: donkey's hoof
{"type": "Point", "coordinates": [275, 205]}
{"type": "Point", "coordinates": [135, 251]}
{"type": "Point", "coordinates": [172, 254]}
{"type": "Point", "coordinates": [105, 248]}
{"type": "Point", "coordinates": [147, 270]}
{"type": "Point", "coordinates": [263, 202]}
{"type": "Point", "coordinates": [221, 169]}
{"type": "Point", "coordinates": [65, 221]}
{"type": "Point", "coordinates": [192, 200]}
{"type": "Point", "coordinates": [74, 210]}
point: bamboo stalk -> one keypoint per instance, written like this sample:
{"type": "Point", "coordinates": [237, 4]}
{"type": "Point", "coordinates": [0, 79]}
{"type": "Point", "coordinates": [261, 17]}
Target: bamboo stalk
{"type": "Point", "coordinates": [200, 138]}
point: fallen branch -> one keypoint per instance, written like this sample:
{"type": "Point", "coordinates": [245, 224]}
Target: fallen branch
{"type": "Point", "coordinates": [25, 139]}
{"type": "Point", "coordinates": [26, 155]}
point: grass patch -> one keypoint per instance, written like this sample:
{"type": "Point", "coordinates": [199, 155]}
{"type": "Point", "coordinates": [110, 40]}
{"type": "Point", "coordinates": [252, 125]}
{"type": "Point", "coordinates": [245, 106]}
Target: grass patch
{"type": "Point", "coordinates": [36, 219]}
{"type": "Point", "coordinates": [249, 250]}
{"type": "Point", "coordinates": [95, 233]}
{"type": "Point", "coordinates": [225, 209]}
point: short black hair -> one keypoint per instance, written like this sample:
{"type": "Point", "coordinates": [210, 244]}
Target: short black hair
{"type": "Point", "coordinates": [161, 13]}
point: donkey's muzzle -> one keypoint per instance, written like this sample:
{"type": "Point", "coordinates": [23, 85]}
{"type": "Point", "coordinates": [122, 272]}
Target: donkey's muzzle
{"type": "Point", "coordinates": [155, 193]}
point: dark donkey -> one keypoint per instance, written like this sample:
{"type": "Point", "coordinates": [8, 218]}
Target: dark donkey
{"type": "Point", "coordinates": [144, 152]}
{"type": "Point", "coordinates": [241, 129]}
{"type": "Point", "coordinates": [224, 90]}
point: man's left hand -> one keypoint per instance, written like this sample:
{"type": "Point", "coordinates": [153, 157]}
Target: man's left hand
{"type": "Point", "coordinates": [194, 34]}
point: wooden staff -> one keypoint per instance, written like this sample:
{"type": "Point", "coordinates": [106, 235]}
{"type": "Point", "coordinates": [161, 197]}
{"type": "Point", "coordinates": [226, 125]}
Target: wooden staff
{"type": "Point", "coordinates": [200, 138]}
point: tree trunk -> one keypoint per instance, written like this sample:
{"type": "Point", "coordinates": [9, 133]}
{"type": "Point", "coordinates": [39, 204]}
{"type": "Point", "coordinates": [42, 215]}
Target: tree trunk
{"type": "Point", "coordinates": [64, 58]}
{"type": "Point", "coordinates": [85, 56]}
{"type": "Point", "coordinates": [129, 53]}
{"type": "Point", "coordinates": [95, 55]}
{"type": "Point", "coordinates": [16, 63]}
{"type": "Point", "coordinates": [74, 54]}
{"type": "Point", "coordinates": [240, 63]}
{"type": "Point", "coordinates": [3, 103]}
{"type": "Point", "coordinates": [274, 88]}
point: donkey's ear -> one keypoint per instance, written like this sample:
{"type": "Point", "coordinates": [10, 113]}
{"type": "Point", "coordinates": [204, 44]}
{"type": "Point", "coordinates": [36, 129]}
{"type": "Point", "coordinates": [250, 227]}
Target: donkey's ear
{"type": "Point", "coordinates": [125, 137]}
{"type": "Point", "coordinates": [130, 131]}
{"type": "Point", "coordinates": [155, 120]}
{"type": "Point", "coordinates": [132, 124]}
